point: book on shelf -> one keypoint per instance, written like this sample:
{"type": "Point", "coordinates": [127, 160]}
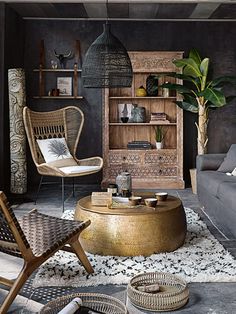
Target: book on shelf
{"type": "Point", "coordinates": [160, 117]}
{"type": "Point", "coordinates": [159, 121]}
{"type": "Point", "coordinates": [139, 145]}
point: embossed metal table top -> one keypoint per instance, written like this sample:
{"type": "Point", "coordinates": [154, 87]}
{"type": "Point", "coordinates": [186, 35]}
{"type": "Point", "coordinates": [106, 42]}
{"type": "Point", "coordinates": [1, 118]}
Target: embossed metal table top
{"type": "Point", "coordinates": [171, 203]}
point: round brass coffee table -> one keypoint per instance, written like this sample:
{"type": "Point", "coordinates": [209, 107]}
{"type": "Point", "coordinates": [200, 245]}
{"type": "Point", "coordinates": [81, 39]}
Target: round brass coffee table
{"type": "Point", "coordinates": [132, 231]}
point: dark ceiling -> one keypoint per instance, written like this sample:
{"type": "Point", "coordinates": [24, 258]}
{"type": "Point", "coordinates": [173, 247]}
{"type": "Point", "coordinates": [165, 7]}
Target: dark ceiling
{"type": "Point", "coordinates": [126, 10]}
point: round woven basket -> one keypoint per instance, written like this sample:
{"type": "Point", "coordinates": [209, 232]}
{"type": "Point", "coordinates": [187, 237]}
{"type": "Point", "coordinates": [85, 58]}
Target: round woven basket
{"type": "Point", "coordinates": [100, 302]}
{"type": "Point", "coordinates": [173, 293]}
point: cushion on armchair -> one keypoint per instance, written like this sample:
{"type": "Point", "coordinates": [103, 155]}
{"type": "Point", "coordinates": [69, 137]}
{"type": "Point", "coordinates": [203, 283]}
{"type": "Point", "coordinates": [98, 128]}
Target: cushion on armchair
{"type": "Point", "coordinates": [54, 149]}
{"type": "Point", "coordinates": [229, 162]}
{"type": "Point", "coordinates": [79, 169]}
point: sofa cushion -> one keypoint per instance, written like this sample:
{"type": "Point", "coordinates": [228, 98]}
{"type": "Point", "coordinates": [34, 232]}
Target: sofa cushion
{"type": "Point", "coordinates": [229, 162]}
{"type": "Point", "coordinates": [211, 180]}
{"type": "Point", "coordinates": [227, 194]}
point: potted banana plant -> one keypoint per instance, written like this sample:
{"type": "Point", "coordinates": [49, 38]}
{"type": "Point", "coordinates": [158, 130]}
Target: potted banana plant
{"type": "Point", "coordinates": [199, 93]}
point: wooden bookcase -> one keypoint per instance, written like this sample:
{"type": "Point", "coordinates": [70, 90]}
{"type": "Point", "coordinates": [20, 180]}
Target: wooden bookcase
{"type": "Point", "coordinates": [150, 169]}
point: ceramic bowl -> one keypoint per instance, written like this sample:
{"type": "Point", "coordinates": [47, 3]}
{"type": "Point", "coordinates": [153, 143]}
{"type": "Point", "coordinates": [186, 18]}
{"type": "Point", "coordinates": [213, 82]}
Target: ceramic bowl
{"type": "Point", "coordinates": [161, 196]}
{"type": "Point", "coordinates": [135, 200]}
{"type": "Point", "coordinates": [124, 119]}
{"type": "Point", "coordinates": [150, 202]}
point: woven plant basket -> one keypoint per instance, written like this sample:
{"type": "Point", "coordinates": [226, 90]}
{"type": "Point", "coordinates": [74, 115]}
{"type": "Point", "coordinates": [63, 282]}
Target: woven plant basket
{"type": "Point", "coordinates": [100, 302]}
{"type": "Point", "coordinates": [173, 292]}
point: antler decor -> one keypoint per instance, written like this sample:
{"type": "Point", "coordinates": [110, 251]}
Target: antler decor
{"type": "Point", "coordinates": [61, 57]}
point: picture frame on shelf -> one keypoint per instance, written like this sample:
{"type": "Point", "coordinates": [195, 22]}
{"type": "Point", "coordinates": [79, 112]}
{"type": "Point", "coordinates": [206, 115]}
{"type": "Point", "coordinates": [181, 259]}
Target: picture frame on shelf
{"type": "Point", "coordinates": [64, 84]}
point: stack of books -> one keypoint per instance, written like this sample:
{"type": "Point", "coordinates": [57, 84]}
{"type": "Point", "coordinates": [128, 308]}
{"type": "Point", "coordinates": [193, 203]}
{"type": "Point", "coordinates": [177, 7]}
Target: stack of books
{"type": "Point", "coordinates": [159, 117]}
{"type": "Point", "coordinates": [139, 145]}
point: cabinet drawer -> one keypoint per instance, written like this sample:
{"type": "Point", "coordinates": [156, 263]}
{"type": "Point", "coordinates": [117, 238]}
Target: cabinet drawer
{"type": "Point", "coordinates": [160, 157]}
{"type": "Point", "coordinates": [153, 171]}
{"type": "Point", "coordinates": [142, 171]}
{"type": "Point", "coordinates": [125, 157]}
{"type": "Point", "coordinates": [144, 157]}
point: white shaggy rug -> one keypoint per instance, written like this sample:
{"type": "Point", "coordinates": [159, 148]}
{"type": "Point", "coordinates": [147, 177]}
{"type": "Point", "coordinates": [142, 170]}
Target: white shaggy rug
{"type": "Point", "coordinates": [201, 259]}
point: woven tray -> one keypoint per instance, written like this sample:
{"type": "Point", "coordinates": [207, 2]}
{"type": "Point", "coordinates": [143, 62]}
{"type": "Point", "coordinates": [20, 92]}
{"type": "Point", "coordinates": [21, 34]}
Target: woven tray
{"type": "Point", "coordinates": [173, 293]}
{"type": "Point", "coordinates": [100, 302]}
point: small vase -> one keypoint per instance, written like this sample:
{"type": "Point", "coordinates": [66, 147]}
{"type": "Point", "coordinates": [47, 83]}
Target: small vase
{"type": "Point", "coordinates": [138, 114]}
{"type": "Point", "coordinates": [159, 145]}
{"type": "Point", "coordinates": [141, 92]}
{"type": "Point", "coordinates": [152, 85]}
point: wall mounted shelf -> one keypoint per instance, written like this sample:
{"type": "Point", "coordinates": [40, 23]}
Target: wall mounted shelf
{"type": "Point", "coordinates": [58, 97]}
{"type": "Point", "coordinates": [43, 71]}
{"type": "Point", "coordinates": [56, 70]}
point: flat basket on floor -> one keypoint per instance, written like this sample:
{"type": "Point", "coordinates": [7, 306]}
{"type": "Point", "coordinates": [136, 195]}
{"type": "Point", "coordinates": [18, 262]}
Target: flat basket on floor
{"type": "Point", "coordinates": [100, 302]}
{"type": "Point", "coordinates": [173, 293]}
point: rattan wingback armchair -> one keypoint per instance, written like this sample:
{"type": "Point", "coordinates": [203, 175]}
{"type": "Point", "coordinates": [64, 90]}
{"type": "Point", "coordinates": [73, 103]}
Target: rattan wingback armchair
{"type": "Point", "coordinates": [66, 122]}
{"type": "Point", "coordinates": [35, 237]}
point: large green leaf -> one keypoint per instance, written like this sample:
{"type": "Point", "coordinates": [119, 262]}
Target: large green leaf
{"type": "Point", "coordinates": [193, 54]}
{"type": "Point", "coordinates": [189, 66]}
{"type": "Point", "coordinates": [204, 66]}
{"type": "Point", "coordinates": [216, 97]}
{"type": "Point", "coordinates": [191, 100]}
{"type": "Point", "coordinates": [220, 81]}
{"type": "Point", "coordinates": [187, 106]}
{"type": "Point", "coordinates": [178, 87]}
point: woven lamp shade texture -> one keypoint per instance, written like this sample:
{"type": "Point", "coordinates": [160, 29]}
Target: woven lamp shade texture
{"type": "Point", "coordinates": [107, 63]}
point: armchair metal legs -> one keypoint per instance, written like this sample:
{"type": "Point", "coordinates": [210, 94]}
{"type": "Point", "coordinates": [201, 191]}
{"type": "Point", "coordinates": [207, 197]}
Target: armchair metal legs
{"type": "Point", "coordinates": [40, 183]}
{"type": "Point", "coordinates": [62, 193]}
{"type": "Point", "coordinates": [73, 182]}
{"type": "Point", "coordinates": [62, 190]}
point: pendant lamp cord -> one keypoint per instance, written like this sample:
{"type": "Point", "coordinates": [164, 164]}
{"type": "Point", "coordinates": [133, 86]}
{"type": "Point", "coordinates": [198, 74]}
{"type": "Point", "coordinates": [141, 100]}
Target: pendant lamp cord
{"type": "Point", "coordinates": [107, 22]}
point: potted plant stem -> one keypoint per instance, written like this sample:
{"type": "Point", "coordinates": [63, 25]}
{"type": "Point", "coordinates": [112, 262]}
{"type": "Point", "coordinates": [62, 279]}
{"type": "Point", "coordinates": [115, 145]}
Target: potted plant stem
{"type": "Point", "coordinates": [160, 134]}
{"type": "Point", "coordinates": [199, 93]}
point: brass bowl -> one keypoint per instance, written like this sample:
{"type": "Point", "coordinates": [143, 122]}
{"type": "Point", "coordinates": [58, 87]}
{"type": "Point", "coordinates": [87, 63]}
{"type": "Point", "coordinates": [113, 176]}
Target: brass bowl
{"type": "Point", "coordinates": [135, 200]}
{"type": "Point", "coordinates": [161, 196]}
{"type": "Point", "coordinates": [151, 202]}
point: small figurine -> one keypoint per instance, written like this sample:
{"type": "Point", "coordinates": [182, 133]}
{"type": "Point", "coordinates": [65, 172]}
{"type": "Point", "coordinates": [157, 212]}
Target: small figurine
{"type": "Point", "coordinates": [61, 57]}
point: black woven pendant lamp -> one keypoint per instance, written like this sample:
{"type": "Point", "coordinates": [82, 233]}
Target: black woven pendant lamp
{"type": "Point", "coordinates": [107, 63]}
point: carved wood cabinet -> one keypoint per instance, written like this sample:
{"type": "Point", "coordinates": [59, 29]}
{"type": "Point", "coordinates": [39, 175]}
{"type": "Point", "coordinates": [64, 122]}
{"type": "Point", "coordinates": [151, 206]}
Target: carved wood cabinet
{"type": "Point", "coordinates": [149, 168]}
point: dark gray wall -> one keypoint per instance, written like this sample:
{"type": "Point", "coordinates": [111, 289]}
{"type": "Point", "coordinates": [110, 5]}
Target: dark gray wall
{"type": "Point", "coordinates": [2, 36]}
{"type": "Point", "coordinates": [11, 56]}
{"type": "Point", "coordinates": [20, 38]}
{"type": "Point", "coordinates": [215, 40]}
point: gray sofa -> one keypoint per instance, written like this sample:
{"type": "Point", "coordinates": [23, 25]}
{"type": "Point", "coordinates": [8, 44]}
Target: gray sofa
{"type": "Point", "coordinates": [217, 192]}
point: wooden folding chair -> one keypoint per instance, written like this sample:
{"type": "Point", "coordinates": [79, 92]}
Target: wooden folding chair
{"type": "Point", "coordinates": [35, 237]}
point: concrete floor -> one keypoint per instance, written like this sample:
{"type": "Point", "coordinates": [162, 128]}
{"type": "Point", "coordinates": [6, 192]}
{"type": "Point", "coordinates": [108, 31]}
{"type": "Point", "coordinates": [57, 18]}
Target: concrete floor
{"type": "Point", "coordinates": [212, 298]}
